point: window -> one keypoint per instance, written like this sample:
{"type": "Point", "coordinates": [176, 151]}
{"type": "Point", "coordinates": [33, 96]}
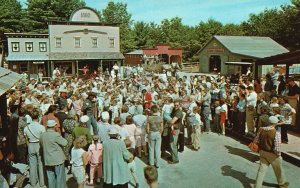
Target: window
{"type": "Point", "coordinates": [111, 42]}
{"type": "Point", "coordinates": [77, 42]}
{"type": "Point", "coordinates": [15, 46]}
{"type": "Point", "coordinates": [29, 46]}
{"type": "Point", "coordinates": [58, 42]}
{"type": "Point", "coordinates": [95, 42]}
{"type": "Point", "coordinates": [43, 46]}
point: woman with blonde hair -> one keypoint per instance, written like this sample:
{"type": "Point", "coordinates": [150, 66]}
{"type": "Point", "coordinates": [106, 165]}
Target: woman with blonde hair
{"type": "Point", "coordinates": [79, 159]}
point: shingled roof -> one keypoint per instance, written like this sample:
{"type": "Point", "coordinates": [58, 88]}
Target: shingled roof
{"type": "Point", "coordinates": [257, 47]}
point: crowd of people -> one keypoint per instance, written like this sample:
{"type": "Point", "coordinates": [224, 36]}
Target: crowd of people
{"type": "Point", "coordinates": [95, 127]}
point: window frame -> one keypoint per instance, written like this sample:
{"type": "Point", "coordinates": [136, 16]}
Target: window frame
{"type": "Point", "coordinates": [12, 46]}
{"type": "Point", "coordinates": [93, 40]}
{"type": "Point", "coordinates": [58, 44]}
{"type": "Point", "coordinates": [77, 39]}
{"type": "Point", "coordinates": [40, 47]}
{"type": "Point", "coordinates": [26, 46]}
{"type": "Point", "coordinates": [111, 45]}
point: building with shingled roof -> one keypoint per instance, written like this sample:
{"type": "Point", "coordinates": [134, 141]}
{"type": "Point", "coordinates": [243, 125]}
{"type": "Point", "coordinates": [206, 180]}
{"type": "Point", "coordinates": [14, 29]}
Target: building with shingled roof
{"type": "Point", "coordinates": [234, 54]}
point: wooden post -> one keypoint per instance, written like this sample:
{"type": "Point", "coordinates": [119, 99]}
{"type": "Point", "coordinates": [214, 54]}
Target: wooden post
{"type": "Point", "coordinates": [287, 71]}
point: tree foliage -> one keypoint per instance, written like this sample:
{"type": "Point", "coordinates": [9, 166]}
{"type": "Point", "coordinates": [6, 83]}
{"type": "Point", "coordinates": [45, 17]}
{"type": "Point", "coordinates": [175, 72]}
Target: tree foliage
{"type": "Point", "coordinates": [10, 17]}
{"type": "Point", "coordinates": [40, 12]}
{"type": "Point", "coordinates": [116, 13]}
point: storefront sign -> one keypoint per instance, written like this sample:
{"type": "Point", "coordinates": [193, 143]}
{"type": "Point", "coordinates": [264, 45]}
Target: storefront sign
{"type": "Point", "coordinates": [215, 50]}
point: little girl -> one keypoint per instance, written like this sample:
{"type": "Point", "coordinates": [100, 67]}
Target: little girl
{"type": "Point", "coordinates": [95, 154]}
{"type": "Point", "coordinates": [131, 162]}
{"type": "Point", "coordinates": [223, 115]}
{"type": "Point", "coordinates": [79, 159]}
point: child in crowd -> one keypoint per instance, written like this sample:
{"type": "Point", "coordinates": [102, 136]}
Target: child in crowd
{"type": "Point", "coordinates": [223, 115]}
{"type": "Point", "coordinates": [217, 116]}
{"type": "Point", "coordinates": [274, 103]}
{"type": "Point", "coordinates": [95, 154]}
{"type": "Point", "coordinates": [196, 126]}
{"type": "Point", "coordinates": [151, 176]}
{"type": "Point", "coordinates": [79, 159]}
{"type": "Point", "coordinates": [241, 106]}
{"type": "Point", "coordinates": [131, 163]}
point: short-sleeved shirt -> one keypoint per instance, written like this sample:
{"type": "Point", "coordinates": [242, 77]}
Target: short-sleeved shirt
{"type": "Point", "coordinates": [179, 115]}
{"type": "Point", "coordinates": [154, 123]}
{"type": "Point", "coordinates": [33, 131]}
{"type": "Point", "coordinates": [294, 90]}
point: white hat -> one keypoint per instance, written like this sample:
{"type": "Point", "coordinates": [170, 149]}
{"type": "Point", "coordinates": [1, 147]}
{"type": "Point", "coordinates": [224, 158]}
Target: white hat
{"type": "Point", "coordinates": [51, 123]}
{"type": "Point", "coordinates": [84, 119]}
{"type": "Point", "coordinates": [97, 78]}
{"type": "Point", "coordinates": [105, 115]}
{"type": "Point", "coordinates": [273, 119]}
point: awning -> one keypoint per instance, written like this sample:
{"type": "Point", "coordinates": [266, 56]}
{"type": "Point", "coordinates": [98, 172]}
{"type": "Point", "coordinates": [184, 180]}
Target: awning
{"type": "Point", "coordinates": [22, 57]}
{"type": "Point", "coordinates": [238, 63]}
{"type": "Point", "coordinates": [8, 79]}
{"type": "Point", "coordinates": [85, 55]}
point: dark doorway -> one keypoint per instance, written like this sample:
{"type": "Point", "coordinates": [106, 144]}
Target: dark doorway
{"type": "Point", "coordinates": [215, 63]}
{"type": "Point", "coordinates": [164, 58]}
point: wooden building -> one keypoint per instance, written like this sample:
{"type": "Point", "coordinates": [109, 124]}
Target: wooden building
{"type": "Point", "coordinates": [234, 54]}
{"type": "Point", "coordinates": [160, 53]}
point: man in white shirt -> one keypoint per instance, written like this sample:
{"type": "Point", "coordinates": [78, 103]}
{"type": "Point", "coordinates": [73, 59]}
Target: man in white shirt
{"type": "Point", "coordinates": [250, 108]}
{"type": "Point", "coordinates": [32, 134]}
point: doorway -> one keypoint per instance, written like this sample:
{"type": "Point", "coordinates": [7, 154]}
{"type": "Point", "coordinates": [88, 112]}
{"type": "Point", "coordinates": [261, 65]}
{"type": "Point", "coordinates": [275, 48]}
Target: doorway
{"type": "Point", "coordinates": [214, 63]}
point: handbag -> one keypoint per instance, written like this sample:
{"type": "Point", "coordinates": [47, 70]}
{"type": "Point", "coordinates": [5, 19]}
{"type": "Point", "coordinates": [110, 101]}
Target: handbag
{"type": "Point", "coordinates": [254, 147]}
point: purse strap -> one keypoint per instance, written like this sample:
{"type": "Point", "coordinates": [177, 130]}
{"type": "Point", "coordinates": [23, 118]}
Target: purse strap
{"type": "Point", "coordinates": [32, 132]}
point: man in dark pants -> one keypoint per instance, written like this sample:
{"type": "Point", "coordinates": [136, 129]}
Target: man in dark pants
{"type": "Point", "coordinates": [176, 121]}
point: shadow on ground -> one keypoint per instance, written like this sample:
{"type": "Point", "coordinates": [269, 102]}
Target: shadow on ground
{"type": "Point", "coordinates": [242, 153]}
{"type": "Point", "coordinates": [241, 176]}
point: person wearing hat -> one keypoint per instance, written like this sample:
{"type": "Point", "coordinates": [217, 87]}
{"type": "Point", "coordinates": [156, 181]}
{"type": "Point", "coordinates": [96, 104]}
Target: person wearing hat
{"type": "Point", "coordinates": [88, 108]}
{"type": "Point", "coordinates": [33, 134]}
{"type": "Point", "coordinates": [82, 129]}
{"type": "Point", "coordinates": [54, 158]}
{"type": "Point", "coordinates": [103, 127]}
{"type": "Point", "coordinates": [115, 158]}
{"type": "Point", "coordinates": [263, 117]}
{"type": "Point", "coordinates": [269, 142]}
{"type": "Point", "coordinates": [62, 99]}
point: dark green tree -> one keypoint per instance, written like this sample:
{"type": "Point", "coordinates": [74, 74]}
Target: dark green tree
{"type": "Point", "coordinates": [10, 17]}
{"type": "Point", "coordinates": [40, 12]}
{"type": "Point", "coordinates": [116, 13]}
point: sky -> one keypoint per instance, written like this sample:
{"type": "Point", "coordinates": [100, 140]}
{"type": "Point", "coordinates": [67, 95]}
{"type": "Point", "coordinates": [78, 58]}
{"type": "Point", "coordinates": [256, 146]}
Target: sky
{"type": "Point", "coordinates": [191, 11]}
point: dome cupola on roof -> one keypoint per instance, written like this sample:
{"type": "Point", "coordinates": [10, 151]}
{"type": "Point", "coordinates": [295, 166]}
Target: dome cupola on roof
{"type": "Point", "coordinates": [85, 14]}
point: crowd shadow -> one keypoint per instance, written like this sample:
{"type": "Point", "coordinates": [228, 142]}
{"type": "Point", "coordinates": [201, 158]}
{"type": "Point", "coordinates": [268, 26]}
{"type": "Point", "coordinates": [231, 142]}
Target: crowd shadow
{"type": "Point", "coordinates": [242, 153]}
{"type": "Point", "coordinates": [242, 177]}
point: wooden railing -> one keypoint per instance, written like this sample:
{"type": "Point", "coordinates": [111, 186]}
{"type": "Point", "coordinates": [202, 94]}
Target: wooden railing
{"type": "Point", "coordinates": [190, 67]}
